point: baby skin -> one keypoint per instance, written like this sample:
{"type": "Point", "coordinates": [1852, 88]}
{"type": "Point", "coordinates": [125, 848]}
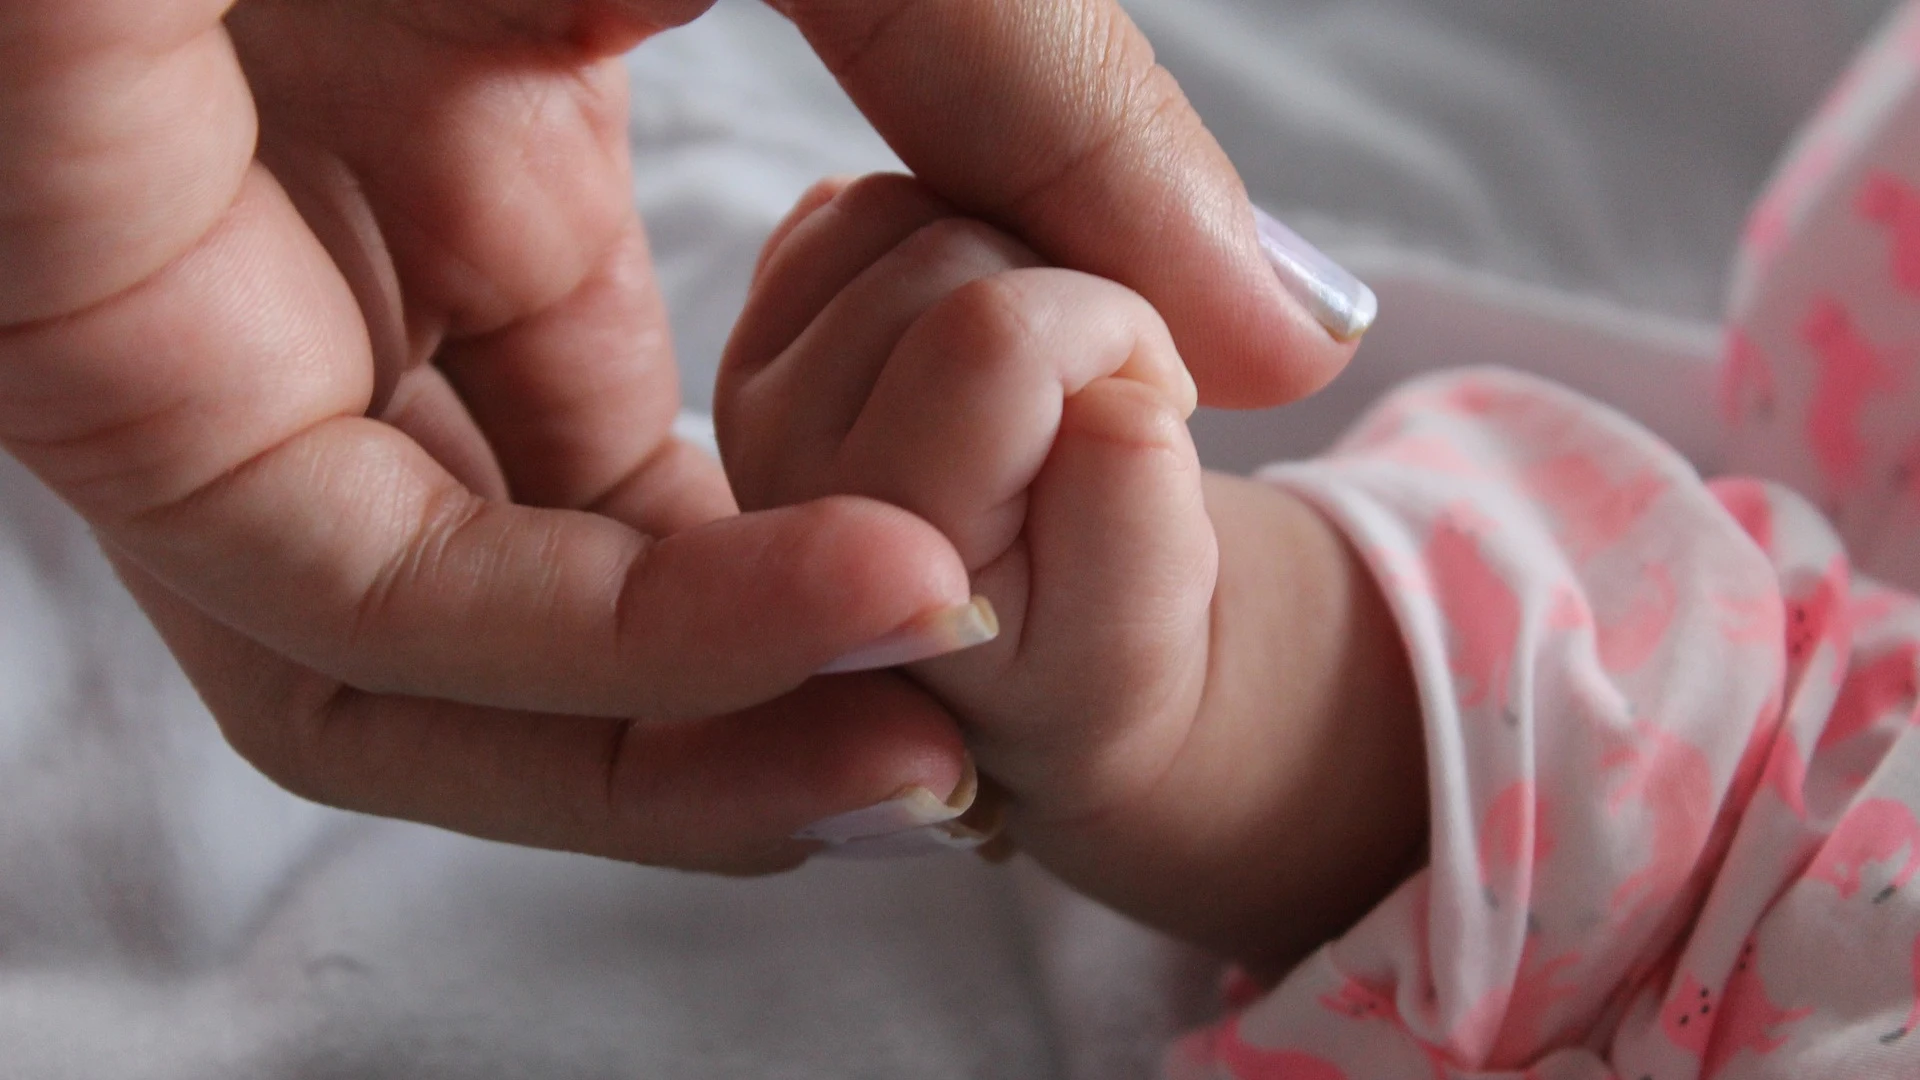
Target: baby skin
{"type": "Point", "coordinates": [1198, 709]}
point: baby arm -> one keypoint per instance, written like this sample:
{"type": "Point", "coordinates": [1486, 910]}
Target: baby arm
{"type": "Point", "coordinates": [1198, 709]}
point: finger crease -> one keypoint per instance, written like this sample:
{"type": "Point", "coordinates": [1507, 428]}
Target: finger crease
{"type": "Point", "coordinates": [447, 514]}
{"type": "Point", "coordinates": [208, 489]}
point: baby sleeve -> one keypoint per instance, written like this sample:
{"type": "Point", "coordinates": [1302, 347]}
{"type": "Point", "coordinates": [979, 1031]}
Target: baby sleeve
{"type": "Point", "coordinates": [1623, 672]}
{"type": "Point", "coordinates": [1820, 377]}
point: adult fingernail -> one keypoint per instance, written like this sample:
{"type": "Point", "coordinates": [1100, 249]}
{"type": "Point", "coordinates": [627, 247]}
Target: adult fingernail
{"type": "Point", "coordinates": [910, 809]}
{"type": "Point", "coordinates": [914, 822]}
{"type": "Point", "coordinates": [933, 634]}
{"type": "Point", "coordinates": [909, 844]}
{"type": "Point", "coordinates": [1336, 299]}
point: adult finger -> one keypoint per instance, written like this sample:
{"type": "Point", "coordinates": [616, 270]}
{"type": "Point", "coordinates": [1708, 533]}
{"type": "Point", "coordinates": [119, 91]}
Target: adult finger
{"type": "Point", "coordinates": [517, 263]}
{"type": "Point", "coordinates": [487, 207]}
{"type": "Point", "coordinates": [425, 407]}
{"type": "Point", "coordinates": [576, 397]}
{"type": "Point", "coordinates": [1052, 118]}
{"type": "Point", "coordinates": [125, 131]}
{"type": "Point", "coordinates": [724, 793]}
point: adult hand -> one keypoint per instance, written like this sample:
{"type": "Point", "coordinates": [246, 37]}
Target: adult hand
{"type": "Point", "coordinates": [334, 319]}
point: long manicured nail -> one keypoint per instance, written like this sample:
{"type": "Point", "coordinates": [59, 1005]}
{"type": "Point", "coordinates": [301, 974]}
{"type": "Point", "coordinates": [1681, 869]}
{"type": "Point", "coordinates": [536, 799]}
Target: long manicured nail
{"type": "Point", "coordinates": [933, 634]}
{"type": "Point", "coordinates": [1337, 300]}
{"type": "Point", "coordinates": [910, 809]}
{"type": "Point", "coordinates": [914, 822]}
{"type": "Point", "coordinates": [909, 844]}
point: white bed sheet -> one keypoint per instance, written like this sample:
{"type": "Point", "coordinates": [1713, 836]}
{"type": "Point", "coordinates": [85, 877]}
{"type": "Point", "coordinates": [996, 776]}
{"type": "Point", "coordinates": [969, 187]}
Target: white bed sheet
{"type": "Point", "coordinates": [1554, 184]}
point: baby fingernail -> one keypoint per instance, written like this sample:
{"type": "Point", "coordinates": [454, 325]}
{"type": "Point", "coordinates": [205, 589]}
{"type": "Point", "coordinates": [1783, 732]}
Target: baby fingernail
{"type": "Point", "coordinates": [914, 822]}
{"type": "Point", "coordinates": [1336, 299]}
{"type": "Point", "coordinates": [1191, 400]}
{"type": "Point", "coordinates": [933, 634]}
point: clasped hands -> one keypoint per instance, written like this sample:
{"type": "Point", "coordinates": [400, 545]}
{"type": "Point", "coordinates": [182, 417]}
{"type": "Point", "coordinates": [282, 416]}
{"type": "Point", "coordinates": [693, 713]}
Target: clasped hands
{"type": "Point", "coordinates": [337, 324]}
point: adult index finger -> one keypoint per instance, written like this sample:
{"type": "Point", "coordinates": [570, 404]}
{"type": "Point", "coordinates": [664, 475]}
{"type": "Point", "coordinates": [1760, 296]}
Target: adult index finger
{"type": "Point", "coordinates": [726, 793]}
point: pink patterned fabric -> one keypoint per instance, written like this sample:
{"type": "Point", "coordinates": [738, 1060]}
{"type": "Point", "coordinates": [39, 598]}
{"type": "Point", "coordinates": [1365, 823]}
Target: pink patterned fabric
{"type": "Point", "coordinates": [1673, 731]}
{"type": "Point", "coordinates": [1822, 382]}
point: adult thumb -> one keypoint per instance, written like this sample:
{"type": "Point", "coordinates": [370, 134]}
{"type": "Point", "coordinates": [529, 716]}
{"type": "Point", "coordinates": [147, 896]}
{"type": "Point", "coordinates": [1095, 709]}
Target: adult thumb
{"type": "Point", "coordinates": [1052, 119]}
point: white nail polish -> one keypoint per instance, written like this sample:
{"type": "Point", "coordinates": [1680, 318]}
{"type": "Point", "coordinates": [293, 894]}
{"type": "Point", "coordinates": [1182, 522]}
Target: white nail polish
{"type": "Point", "coordinates": [908, 844]}
{"type": "Point", "coordinates": [914, 822]}
{"type": "Point", "coordinates": [1337, 300]}
{"type": "Point", "coordinates": [934, 634]}
{"type": "Point", "coordinates": [911, 809]}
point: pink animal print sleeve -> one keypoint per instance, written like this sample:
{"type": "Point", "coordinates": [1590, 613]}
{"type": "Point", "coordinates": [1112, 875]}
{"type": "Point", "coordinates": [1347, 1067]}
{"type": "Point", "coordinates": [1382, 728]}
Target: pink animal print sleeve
{"type": "Point", "coordinates": [1821, 387]}
{"type": "Point", "coordinates": [1673, 736]}
{"type": "Point", "coordinates": [1673, 762]}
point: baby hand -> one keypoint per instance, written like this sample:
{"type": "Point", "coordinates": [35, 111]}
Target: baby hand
{"type": "Point", "coordinates": [1035, 416]}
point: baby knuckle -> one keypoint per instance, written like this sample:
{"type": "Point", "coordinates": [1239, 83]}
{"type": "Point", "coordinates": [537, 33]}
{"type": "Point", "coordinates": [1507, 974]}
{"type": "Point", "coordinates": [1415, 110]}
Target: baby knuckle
{"type": "Point", "coordinates": [948, 243]}
{"type": "Point", "coordinates": [883, 196]}
{"type": "Point", "coordinates": [956, 232]}
{"type": "Point", "coordinates": [987, 320]}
